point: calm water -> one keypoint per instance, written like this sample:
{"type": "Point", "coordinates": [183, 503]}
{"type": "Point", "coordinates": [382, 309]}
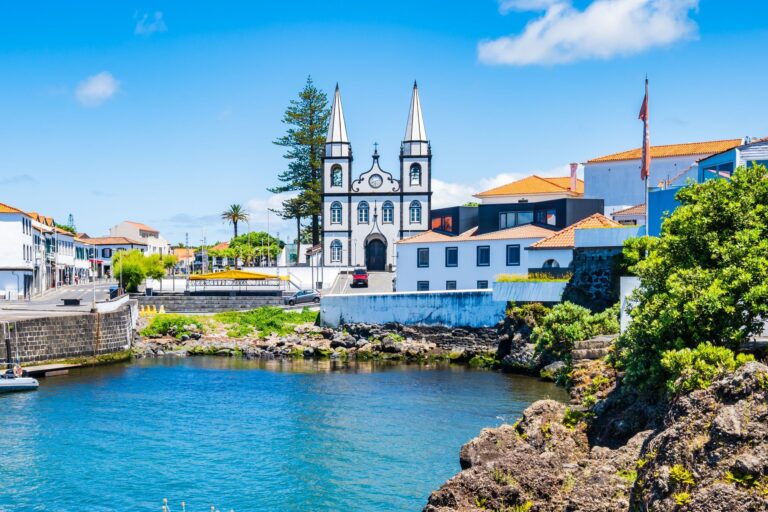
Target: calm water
{"type": "Point", "coordinates": [247, 436]}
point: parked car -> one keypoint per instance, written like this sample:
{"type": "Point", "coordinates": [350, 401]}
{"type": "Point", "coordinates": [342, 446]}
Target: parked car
{"type": "Point", "coordinates": [360, 277]}
{"type": "Point", "coordinates": [301, 297]}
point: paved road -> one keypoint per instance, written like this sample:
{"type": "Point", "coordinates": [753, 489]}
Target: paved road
{"type": "Point", "coordinates": [378, 282]}
{"type": "Point", "coordinates": [84, 292]}
{"type": "Point", "coordinates": [50, 303]}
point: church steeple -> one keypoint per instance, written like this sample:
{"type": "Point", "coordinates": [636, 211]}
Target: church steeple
{"type": "Point", "coordinates": [337, 128]}
{"type": "Point", "coordinates": [414, 130]}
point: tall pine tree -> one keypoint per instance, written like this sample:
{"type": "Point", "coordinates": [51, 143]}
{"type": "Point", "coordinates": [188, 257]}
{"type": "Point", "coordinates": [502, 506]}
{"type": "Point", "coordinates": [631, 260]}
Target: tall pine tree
{"type": "Point", "coordinates": [307, 120]}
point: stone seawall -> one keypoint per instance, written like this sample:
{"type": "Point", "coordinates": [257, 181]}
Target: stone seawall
{"type": "Point", "coordinates": [481, 339]}
{"type": "Point", "coordinates": [180, 303]}
{"type": "Point", "coordinates": [51, 338]}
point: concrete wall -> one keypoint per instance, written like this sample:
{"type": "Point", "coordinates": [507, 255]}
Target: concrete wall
{"type": "Point", "coordinates": [50, 338]}
{"type": "Point", "coordinates": [529, 291]}
{"type": "Point", "coordinates": [179, 303]}
{"type": "Point", "coordinates": [628, 285]}
{"type": "Point", "coordinates": [474, 308]}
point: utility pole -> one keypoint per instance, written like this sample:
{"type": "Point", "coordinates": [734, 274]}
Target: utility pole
{"type": "Point", "coordinates": [186, 245]}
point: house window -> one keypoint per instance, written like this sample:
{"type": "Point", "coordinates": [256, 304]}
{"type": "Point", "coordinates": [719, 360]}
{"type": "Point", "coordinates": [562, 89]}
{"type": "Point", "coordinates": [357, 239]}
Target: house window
{"type": "Point", "coordinates": [482, 285]}
{"type": "Point", "coordinates": [547, 217]}
{"type": "Point", "coordinates": [483, 256]}
{"type": "Point", "coordinates": [336, 251]}
{"type": "Point", "coordinates": [512, 219]}
{"type": "Point", "coordinates": [451, 256]}
{"type": "Point", "coordinates": [450, 285]}
{"type": "Point", "coordinates": [415, 210]}
{"type": "Point", "coordinates": [336, 176]}
{"type": "Point", "coordinates": [422, 257]}
{"type": "Point", "coordinates": [362, 213]}
{"type": "Point", "coordinates": [106, 253]}
{"type": "Point", "coordinates": [415, 174]}
{"type": "Point", "coordinates": [513, 255]}
{"type": "Point", "coordinates": [336, 213]}
{"type": "Point", "coordinates": [551, 264]}
{"type": "Point", "coordinates": [422, 286]}
{"type": "Point", "coordinates": [387, 213]}
{"type": "Point", "coordinates": [443, 223]}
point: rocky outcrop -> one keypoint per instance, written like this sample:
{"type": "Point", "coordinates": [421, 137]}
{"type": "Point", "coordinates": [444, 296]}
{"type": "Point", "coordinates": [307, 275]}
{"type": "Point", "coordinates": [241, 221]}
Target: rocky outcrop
{"type": "Point", "coordinates": [706, 451]}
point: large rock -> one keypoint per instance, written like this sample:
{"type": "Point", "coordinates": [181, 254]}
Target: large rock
{"type": "Point", "coordinates": [707, 451]}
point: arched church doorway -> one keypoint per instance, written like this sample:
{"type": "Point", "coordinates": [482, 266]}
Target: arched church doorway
{"type": "Point", "coordinates": [375, 255]}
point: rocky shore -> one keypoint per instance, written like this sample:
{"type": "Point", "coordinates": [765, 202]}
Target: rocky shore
{"type": "Point", "coordinates": [356, 341]}
{"type": "Point", "coordinates": [704, 451]}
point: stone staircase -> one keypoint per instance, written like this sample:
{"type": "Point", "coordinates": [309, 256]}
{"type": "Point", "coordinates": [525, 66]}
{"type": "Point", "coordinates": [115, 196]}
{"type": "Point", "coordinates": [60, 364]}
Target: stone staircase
{"type": "Point", "coordinates": [595, 348]}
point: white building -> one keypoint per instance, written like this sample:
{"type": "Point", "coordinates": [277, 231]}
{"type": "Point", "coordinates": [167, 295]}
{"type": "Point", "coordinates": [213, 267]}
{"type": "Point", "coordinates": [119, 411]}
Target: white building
{"type": "Point", "coordinates": [435, 261]}
{"type": "Point", "coordinates": [364, 214]}
{"type": "Point", "coordinates": [150, 237]}
{"type": "Point", "coordinates": [17, 253]}
{"type": "Point", "coordinates": [106, 247]}
{"type": "Point", "coordinates": [616, 178]}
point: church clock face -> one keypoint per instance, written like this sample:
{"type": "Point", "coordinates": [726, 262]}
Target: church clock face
{"type": "Point", "coordinates": [375, 181]}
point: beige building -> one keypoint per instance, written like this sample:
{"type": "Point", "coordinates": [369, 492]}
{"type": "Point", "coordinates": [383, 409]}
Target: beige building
{"type": "Point", "coordinates": [143, 234]}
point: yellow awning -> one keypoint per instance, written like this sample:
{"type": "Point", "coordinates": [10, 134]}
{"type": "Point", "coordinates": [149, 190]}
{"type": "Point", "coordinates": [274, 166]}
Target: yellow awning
{"type": "Point", "coordinates": [235, 275]}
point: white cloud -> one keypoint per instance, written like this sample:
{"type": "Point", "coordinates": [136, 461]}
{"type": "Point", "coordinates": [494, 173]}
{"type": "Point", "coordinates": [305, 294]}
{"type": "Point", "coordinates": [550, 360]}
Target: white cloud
{"type": "Point", "coordinates": [146, 25]}
{"type": "Point", "coordinates": [96, 89]}
{"type": "Point", "coordinates": [606, 28]}
{"type": "Point", "coordinates": [258, 208]}
{"type": "Point", "coordinates": [454, 194]}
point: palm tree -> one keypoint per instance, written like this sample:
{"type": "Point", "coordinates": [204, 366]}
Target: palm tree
{"type": "Point", "coordinates": [235, 214]}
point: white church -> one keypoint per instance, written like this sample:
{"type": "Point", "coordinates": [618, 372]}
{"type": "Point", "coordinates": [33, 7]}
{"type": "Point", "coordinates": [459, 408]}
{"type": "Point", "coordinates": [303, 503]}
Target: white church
{"type": "Point", "coordinates": [364, 214]}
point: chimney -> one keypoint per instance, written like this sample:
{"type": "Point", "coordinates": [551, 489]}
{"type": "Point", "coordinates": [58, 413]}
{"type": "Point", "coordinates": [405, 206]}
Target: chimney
{"type": "Point", "coordinates": [574, 168]}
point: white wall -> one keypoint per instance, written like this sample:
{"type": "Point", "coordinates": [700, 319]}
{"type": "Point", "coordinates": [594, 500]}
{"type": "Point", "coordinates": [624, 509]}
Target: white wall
{"type": "Point", "coordinates": [450, 309]}
{"type": "Point", "coordinates": [13, 238]}
{"type": "Point", "coordinates": [467, 273]}
{"type": "Point", "coordinates": [619, 184]}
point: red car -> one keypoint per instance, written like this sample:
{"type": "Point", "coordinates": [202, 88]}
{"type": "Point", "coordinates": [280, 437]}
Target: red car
{"type": "Point", "coordinates": [360, 277]}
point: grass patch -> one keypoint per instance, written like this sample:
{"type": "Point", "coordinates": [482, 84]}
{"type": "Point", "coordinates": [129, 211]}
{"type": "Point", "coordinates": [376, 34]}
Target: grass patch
{"type": "Point", "coordinates": [173, 325]}
{"type": "Point", "coordinates": [532, 278]}
{"type": "Point", "coordinates": [264, 321]}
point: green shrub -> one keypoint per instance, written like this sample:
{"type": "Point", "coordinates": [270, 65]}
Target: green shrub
{"type": "Point", "coordinates": [697, 368]}
{"type": "Point", "coordinates": [263, 321]}
{"type": "Point", "coordinates": [530, 314]}
{"type": "Point", "coordinates": [680, 476]}
{"type": "Point", "coordinates": [704, 279]}
{"type": "Point", "coordinates": [568, 323]}
{"type": "Point", "coordinates": [174, 325]}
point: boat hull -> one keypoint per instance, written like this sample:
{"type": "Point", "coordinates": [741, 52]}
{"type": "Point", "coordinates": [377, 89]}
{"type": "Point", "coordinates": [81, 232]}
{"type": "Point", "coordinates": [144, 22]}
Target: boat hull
{"type": "Point", "coordinates": [18, 384]}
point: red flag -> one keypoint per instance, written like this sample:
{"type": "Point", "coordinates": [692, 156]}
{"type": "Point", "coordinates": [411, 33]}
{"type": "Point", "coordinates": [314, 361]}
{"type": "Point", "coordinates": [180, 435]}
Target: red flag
{"type": "Point", "coordinates": [645, 167]}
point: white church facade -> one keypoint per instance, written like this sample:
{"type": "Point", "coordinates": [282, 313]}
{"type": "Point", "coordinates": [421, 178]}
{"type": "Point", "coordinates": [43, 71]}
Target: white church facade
{"type": "Point", "coordinates": [364, 214]}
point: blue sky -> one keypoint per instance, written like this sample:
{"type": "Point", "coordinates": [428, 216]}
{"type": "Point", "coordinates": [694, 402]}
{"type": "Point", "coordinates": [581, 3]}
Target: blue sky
{"type": "Point", "coordinates": [164, 112]}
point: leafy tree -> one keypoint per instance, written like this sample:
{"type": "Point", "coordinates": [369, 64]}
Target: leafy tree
{"type": "Point", "coordinates": [130, 268]}
{"type": "Point", "coordinates": [307, 121]}
{"type": "Point", "coordinates": [66, 227]}
{"type": "Point", "coordinates": [234, 214]}
{"type": "Point", "coordinates": [704, 280]}
{"type": "Point", "coordinates": [169, 261]}
{"type": "Point", "coordinates": [255, 244]}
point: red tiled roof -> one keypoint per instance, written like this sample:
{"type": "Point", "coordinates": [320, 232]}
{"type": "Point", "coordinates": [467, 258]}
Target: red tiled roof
{"type": "Point", "coordinates": [535, 185]}
{"type": "Point", "coordinates": [670, 150]}
{"type": "Point", "coordinates": [566, 238]}
{"type": "Point", "coordinates": [220, 246]}
{"type": "Point", "coordinates": [5, 208]}
{"type": "Point", "coordinates": [519, 232]}
{"type": "Point", "coordinates": [142, 227]}
{"type": "Point", "coordinates": [638, 209]}
{"type": "Point", "coordinates": [114, 240]}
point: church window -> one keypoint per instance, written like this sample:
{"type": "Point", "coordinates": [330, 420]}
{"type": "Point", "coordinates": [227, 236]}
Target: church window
{"type": "Point", "coordinates": [336, 176]}
{"type": "Point", "coordinates": [362, 213]}
{"type": "Point", "coordinates": [336, 251]}
{"type": "Point", "coordinates": [415, 212]}
{"type": "Point", "coordinates": [415, 174]}
{"type": "Point", "coordinates": [336, 213]}
{"type": "Point", "coordinates": [388, 213]}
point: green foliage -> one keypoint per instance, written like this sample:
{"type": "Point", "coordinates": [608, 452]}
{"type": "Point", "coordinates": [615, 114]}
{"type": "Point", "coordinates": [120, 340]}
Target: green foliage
{"type": "Point", "coordinates": [66, 227]}
{"type": "Point", "coordinates": [567, 323]}
{"type": "Point", "coordinates": [628, 475]}
{"type": "Point", "coordinates": [154, 266]}
{"type": "Point", "coordinates": [705, 278]}
{"type": "Point", "coordinates": [484, 361]}
{"type": "Point", "coordinates": [263, 321]}
{"type": "Point", "coordinates": [529, 314]}
{"type": "Point", "coordinates": [174, 325]}
{"type": "Point", "coordinates": [682, 498]}
{"type": "Point", "coordinates": [234, 214]}
{"type": "Point", "coordinates": [130, 268]}
{"type": "Point", "coordinates": [690, 369]}
{"type": "Point", "coordinates": [572, 417]}
{"type": "Point", "coordinates": [680, 476]}
{"type": "Point", "coordinates": [532, 278]}
{"type": "Point", "coordinates": [307, 121]}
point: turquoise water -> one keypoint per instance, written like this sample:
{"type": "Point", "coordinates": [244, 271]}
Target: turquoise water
{"type": "Point", "coordinates": [247, 436]}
